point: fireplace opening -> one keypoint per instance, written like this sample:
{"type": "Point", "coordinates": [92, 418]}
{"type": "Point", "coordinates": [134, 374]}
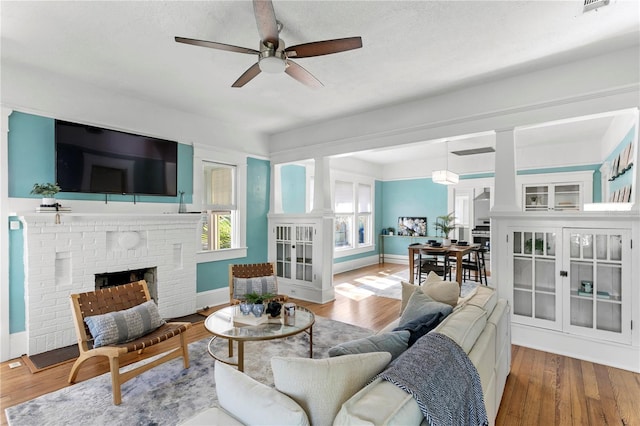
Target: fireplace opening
{"type": "Point", "coordinates": [112, 279]}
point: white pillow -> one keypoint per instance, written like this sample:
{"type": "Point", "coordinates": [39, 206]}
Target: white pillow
{"type": "Point", "coordinates": [321, 386]}
{"type": "Point", "coordinates": [254, 403]}
{"type": "Point", "coordinates": [442, 291]}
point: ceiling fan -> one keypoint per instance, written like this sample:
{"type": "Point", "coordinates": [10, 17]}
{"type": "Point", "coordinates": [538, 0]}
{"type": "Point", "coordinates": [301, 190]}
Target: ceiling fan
{"type": "Point", "coordinates": [273, 57]}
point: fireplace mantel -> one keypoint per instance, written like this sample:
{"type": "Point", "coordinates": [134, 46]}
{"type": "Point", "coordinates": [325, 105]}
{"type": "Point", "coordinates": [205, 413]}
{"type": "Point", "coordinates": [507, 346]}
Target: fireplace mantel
{"type": "Point", "coordinates": [63, 254]}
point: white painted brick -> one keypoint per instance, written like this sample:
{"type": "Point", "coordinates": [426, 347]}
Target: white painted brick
{"type": "Point", "coordinates": [85, 240]}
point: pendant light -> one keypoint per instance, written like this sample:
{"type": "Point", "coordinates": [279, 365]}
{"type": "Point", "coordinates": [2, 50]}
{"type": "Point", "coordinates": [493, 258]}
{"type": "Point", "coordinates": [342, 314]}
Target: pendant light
{"type": "Point", "coordinates": [445, 177]}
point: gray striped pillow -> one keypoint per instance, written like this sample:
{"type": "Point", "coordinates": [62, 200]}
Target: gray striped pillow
{"type": "Point", "coordinates": [124, 326]}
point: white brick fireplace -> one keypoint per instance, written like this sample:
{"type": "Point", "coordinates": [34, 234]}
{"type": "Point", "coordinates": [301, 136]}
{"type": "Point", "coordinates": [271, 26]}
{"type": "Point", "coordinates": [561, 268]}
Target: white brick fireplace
{"type": "Point", "coordinates": [63, 258]}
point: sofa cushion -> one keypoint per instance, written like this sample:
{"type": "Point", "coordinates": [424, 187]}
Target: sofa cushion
{"type": "Point", "coordinates": [464, 326]}
{"type": "Point", "coordinates": [380, 403]}
{"type": "Point", "coordinates": [253, 402]}
{"type": "Point", "coordinates": [419, 304]}
{"type": "Point", "coordinates": [124, 326]}
{"type": "Point", "coordinates": [395, 343]}
{"type": "Point", "coordinates": [259, 285]}
{"type": "Point", "coordinates": [321, 386]}
{"type": "Point", "coordinates": [485, 298]}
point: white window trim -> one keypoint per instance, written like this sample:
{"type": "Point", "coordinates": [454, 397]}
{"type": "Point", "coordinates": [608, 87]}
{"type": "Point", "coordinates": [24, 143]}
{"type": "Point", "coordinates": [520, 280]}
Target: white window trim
{"type": "Point", "coordinates": [239, 238]}
{"type": "Point", "coordinates": [356, 180]}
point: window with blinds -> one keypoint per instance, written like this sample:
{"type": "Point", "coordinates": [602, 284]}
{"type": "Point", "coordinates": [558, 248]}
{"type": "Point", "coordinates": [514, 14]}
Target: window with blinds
{"type": "Point", "coordinates": [219, 196]}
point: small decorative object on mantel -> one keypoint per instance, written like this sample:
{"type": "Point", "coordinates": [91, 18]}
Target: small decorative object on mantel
{"type": "Point", "coordinates": [48, 192]}
{"type": "Point", "coordinates": [182, 208]}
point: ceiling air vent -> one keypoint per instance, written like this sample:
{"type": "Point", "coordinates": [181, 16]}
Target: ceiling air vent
{"type": "Point", "coordinates": [593, 4]}
{"type": "Point", "coordinates": [474, 151]}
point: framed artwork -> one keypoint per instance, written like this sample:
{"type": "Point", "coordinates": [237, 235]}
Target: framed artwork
{"type": "Point", "coordinates": [626, 197]}
{"type": "Point", "coordinates": [412, 226]}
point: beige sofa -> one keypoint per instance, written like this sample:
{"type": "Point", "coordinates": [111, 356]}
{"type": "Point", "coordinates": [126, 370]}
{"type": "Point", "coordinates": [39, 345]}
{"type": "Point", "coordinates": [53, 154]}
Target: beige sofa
{"type": "Point", "coordinates": [335, 390]}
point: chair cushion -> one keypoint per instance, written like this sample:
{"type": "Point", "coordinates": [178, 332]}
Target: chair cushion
{"type": "Point", "coordinates": [259, 285]}
{"type": "Point", "coordinates": [395, 343]}
{"type": "Point", "coordinates": [123, 326]}
{"type": "Point", "coordinates": [253, 402]}
{"type": "Point", "coordinates": [321, 386]}
{"type": "Point", "coordinates": [419, 304]}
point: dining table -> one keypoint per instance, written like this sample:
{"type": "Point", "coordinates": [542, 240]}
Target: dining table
{"type": "Point", "coordinates": [459, 251]}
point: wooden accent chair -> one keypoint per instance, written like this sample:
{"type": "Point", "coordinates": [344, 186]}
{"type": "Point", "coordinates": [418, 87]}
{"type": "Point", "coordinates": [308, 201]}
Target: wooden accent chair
{"type": "Point", "coordinates": [254, 270]}
{"type": "Point", "coordinates": [114, 299]}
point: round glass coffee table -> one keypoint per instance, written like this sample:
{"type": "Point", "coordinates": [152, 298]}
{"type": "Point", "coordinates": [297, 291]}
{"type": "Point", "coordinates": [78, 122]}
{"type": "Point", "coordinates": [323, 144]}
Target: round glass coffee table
{"type": "Point", "coordinates": [225, 323]}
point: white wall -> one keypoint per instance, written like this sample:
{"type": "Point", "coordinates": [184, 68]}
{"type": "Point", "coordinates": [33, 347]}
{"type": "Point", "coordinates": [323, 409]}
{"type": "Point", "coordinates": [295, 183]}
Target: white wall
{"type": "Point", "coordinates": [578, 88]}
{"type": "Point", "coordinates": [51, 95]}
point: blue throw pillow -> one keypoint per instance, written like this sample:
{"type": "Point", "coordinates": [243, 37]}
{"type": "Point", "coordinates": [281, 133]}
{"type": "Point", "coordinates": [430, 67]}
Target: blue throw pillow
{"type": "Point", "coordinates": [394, 342]}
{"type": "Point", "coordinates": [421, 326]}
{"type": "Point", "coordinates": [419, 304]}
{"type": "Point", "coordinates": [124, 326]}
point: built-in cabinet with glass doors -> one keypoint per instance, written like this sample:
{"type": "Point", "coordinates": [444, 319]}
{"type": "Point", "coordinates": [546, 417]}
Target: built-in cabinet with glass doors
{"type": "Point", "coordinates": [559, 197]}
{"type": "Point", "coordinates": [299, 246]}
{"type": "Point", "coordinates": [573, 280]}
{"type": "Point", "coordinates": [294, 251]}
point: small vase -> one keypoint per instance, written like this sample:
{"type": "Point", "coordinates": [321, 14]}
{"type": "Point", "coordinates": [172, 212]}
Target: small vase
{"type": "Point", "coordinates": [246, 308]}
{"type": "Point", "coordinates": [182, 208]}
{"type": "Point", "coordinates": [446, 242]}
{"type": "Point", "coordinates": [48, 201]}
{"type": "Point", "coordinates": [258, 309]}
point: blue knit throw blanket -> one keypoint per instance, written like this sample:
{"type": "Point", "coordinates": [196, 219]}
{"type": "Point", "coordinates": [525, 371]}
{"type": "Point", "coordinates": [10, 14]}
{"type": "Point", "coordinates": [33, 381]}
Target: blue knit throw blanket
{"type": "Point", "coordinates": [443, 381]}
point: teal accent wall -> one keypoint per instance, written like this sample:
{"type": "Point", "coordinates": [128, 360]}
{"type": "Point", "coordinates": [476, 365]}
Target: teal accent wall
{"type": "Point", "coordinates": [31, 153]}
{"type": "Point", "coordinates": [293, 182]}
{"type": "Point", "coordinates": [413, 197]}
{"type": "Point", "coordinates": [215, 275]}
{"type": "Point", "coordinates": [32, 158]}
{"type": "Point", "coordinates": [17, 307]}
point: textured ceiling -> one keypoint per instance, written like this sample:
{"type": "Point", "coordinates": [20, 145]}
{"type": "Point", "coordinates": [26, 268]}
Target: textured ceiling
{"type": "Point", "coordinates": [410, 49]}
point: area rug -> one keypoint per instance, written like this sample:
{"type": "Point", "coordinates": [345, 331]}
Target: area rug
{"type": "Point", "coordinates": [169, 394]}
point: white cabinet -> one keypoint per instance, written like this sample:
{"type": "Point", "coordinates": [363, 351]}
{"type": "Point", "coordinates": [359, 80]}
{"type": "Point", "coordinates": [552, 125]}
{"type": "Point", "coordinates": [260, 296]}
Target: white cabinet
{"type": "Point", "coordinates": [536, 287]}
{"type": "Point", "coordinates": [559, 197]}
{"type": "Point", "coordinates": [294, 251]}
{"type": "Point", "coordinates": [599, 285]}
{"type": "Point", "coordinates": [303, 260]}
{"type": "Point", "coordinates": [573, 280]}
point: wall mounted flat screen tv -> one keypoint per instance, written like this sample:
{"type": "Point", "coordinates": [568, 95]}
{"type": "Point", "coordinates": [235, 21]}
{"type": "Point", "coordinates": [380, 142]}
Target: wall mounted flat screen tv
{"type": "Point", "coordinates": [95, 160]}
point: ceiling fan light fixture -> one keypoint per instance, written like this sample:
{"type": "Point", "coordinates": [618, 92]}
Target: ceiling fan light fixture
{"type": "Point", "coordinates": [444, 177]}
{"type": "Point", "coordinates": [272, 64]}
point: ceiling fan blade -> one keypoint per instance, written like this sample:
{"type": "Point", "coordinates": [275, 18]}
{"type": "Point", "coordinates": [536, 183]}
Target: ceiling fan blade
{"type": "Point", "coordinates": [266, 21]}
{"type": "Point", "coordinates": [326, 47]}
{"type": "Point", "coordinates": [214, 45]}
{"type": "Point", "coordinates": [302, 75]}
{"type": "Point", "coordinates": [248, 75]}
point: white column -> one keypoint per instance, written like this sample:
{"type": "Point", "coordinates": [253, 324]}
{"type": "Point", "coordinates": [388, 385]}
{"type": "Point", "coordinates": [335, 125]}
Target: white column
{"type": "Point", "coordinates": [505, 179]}
{"type": "Point", "coordinates": [275, 193]}
{"type": "Point", "coordinates": [322, 186]}
{"type": "Point", "coordinates": [4, 238]}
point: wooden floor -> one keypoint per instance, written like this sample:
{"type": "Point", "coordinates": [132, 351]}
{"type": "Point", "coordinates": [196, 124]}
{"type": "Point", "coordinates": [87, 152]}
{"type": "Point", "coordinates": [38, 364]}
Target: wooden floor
{"type": "Point", "coordinates": [542, 388]}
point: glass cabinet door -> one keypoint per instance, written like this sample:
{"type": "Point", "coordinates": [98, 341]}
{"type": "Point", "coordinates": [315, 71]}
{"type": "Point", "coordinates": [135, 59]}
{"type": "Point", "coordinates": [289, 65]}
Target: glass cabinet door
{"type": "Point", "coordinates": [536, 198]}
{"type": "Point", "coordinates": [566, 197]}
{"type": "Point", "coordinates": [535, 290]}
{"type": "Point", "coordinates": [597, 282]}
{"type": "Point", "coordinates": [283, 250]}
{"type": "Point", "coordinates": [304, 252]}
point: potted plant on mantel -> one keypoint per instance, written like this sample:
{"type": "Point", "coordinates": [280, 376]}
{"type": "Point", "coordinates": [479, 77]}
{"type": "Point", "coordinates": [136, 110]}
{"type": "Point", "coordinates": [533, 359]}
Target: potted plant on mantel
{"type": "Point", "coordinates": [47, 191]}
{"type": "Point", "coordinates": [445, 225]}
